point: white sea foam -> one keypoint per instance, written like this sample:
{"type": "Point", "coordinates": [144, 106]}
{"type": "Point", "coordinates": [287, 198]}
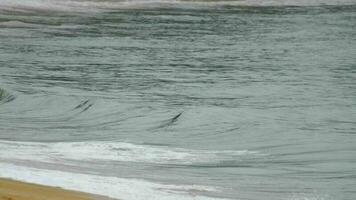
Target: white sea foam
{"type": "Point", "coordinates": [111, 151]}
{"type": "Point", "coordinates": [126, 189]}
{"type": "Point", "coordinates": [308, 197]}
{"type": "Point", "coordinates": [97, 5]}
{"type": "Point", "coordinates": [76, 5]}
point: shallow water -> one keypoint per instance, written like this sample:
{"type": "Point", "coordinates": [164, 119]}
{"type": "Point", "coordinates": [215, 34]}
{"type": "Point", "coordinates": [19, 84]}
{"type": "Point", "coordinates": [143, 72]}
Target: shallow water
{"type": "Point", "coordinates": [180, 100]}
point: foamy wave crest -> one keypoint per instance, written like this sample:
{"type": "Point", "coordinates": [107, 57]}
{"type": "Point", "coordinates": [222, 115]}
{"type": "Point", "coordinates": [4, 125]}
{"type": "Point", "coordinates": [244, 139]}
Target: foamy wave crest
{"type": "Point", "coordinates": [97, 5]}
{"type": "Point", "coordinates": [77, 5]}
{"type": "Point", "coordinates": [112, 151]}
{"type": "Point", "coordinates": [119, 188]}
{"type": "Point", "coordinates": [308, 197]}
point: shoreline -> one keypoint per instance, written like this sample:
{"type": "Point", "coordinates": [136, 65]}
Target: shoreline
{"type": "Point", "coordinates": [18, 190]}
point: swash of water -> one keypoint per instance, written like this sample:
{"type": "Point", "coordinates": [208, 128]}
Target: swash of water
{"type": "Point", "coordinates": [180, 99]}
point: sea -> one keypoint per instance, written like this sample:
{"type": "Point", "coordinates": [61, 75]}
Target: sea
{"type": "Point", "coordinates": [180, 99]}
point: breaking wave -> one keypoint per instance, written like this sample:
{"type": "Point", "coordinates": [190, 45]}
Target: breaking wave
{"type": "Point", "coordinates": [114, 151]}
{"type": "Point", "coordinates": [97, 5]}
{"type": "Point", "coordinates": [120, 188]}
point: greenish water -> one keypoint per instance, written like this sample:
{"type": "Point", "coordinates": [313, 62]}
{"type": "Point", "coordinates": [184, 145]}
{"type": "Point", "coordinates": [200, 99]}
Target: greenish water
{"type": "Point", "coordinates": [266, 97]}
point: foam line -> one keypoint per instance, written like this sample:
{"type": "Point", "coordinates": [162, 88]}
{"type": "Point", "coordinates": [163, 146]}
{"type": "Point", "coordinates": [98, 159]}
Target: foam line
{"type": "Point", "coordinates": [112, 151]}
{"type": "Point", "coordinates": [99, 5]}
{"type": "Point", "coordinates": [118, 188]}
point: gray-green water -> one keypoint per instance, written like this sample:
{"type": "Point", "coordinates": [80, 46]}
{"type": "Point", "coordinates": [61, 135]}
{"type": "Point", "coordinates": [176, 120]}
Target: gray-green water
{"type": "Point", "coordinates": [267, 98]}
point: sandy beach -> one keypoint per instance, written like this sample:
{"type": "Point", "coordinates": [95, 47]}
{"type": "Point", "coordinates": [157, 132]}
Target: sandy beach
{"type": "Point", "coordinates": [15, 190]}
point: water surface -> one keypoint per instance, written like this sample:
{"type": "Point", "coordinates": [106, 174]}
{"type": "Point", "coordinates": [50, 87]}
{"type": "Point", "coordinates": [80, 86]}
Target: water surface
{"type": "Point", "coordinates": [180, 100]}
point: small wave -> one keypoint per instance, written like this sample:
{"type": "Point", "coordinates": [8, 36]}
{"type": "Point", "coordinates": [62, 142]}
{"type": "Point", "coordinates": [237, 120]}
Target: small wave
{"type": "Point", "coordinates": [114, 151]}
{"type": "Point", "coordinates": [119, 188]}
{"type": "Point", "coordinates": [169, 122]}
{"type": "Point", "coordinates": [5, 97]}
{"type": "Point", "coordinates": [84, 106]}
{"type": "Point", "coordinates": [308, 197]}
{"type": "Point", "coordinates": [18, 24]}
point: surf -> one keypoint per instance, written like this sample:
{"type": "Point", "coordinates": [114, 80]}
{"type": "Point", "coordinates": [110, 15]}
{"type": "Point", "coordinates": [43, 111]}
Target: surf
{"type": "Point", "coordinates": [113, 187]}
{"type": "Point", "coordinates": [116, 151]}
{"type": "Point", "coordinates": [109, 5]}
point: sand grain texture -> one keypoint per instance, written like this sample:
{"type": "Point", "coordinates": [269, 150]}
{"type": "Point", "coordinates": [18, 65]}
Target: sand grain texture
{"type": "Point", "coordinates": [15, 190]}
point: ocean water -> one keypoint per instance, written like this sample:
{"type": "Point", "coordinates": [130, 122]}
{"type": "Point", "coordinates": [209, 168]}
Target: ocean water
{"type": "Point", "coordinates": [180, 100]}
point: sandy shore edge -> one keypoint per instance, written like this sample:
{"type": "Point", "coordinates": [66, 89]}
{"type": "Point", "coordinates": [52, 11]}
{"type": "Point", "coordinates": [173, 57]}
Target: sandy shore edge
{"type": "Point", "coordinates": [17, 190]}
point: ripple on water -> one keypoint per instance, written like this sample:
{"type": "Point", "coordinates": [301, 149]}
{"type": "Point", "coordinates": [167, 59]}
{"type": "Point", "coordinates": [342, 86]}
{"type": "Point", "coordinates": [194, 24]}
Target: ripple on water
{"type": "Point", "coordinates": [6, 97]}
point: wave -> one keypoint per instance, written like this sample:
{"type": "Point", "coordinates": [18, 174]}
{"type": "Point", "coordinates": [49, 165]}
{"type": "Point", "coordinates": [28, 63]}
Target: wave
{"type": "Point", "coordinates": [18, 24]}
{"type": "Point", "coordinates": [76, 5]}
{"type": "Point", "coordinates": [113, 187]}
{"type": "Point", "coordinates": [114, 151]}
{"type": "Point", "coordinates": [97, 5]}
{"type": "Point", "coordinates": [308, 197]}
{"type": "Point", "coordinates": [5, 97]}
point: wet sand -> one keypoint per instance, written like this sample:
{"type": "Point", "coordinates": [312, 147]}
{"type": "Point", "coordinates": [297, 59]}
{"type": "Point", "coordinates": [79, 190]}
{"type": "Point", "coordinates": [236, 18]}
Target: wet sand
{"type": "Point", "coordinates": [15, 190]}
